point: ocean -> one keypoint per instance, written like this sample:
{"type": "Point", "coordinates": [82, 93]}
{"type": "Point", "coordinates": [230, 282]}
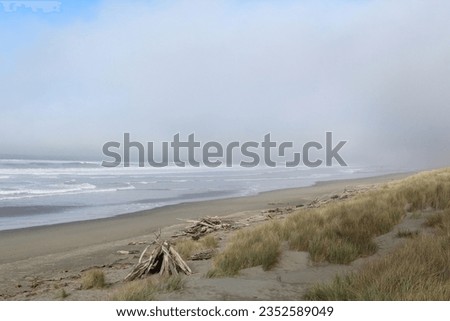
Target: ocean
{"type": "Point", "coordinates": [42, 192]}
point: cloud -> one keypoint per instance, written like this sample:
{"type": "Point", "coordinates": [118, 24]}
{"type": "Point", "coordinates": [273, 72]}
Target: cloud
{"type": "Point", "coordinates": [373, 72]}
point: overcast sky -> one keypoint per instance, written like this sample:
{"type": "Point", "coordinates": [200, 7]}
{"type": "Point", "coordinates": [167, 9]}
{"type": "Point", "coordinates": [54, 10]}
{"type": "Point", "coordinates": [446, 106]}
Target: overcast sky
{"type": "Point", "coordinates": [375, 73]}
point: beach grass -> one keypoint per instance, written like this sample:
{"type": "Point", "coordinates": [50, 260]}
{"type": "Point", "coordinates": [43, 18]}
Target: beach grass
{"type": "Point", "coordinates": [62, 294]}
{"type": "Point", "coordinates": [187, 247]}
{"type": "Point", "coordinates": [339, 232]}
{"type": "Point", "coordinates": [417, 270]}
{"type": "Point", "coordinates": [139, 290]}
{"type": "Point", "coordinates": [148, 289]}
{"type": "Point", "coordinates": [435, 220]}
{"type": "Point", "coordinates": [247, 248]}
{"type": "Point", "coordinates": [93, 279]}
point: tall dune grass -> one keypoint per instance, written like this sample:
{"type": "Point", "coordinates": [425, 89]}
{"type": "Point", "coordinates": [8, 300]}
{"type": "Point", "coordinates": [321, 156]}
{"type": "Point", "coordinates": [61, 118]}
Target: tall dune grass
{"type": "Point", "coordinates": [248, 248]}
{"type": "Point", "coordinates": [339, 232]}
{"type": "Point", "coordinates": [93, 279]}
{"type": "Point", "coordinates": [187, 247]}
{"type": "Point", "coordinates": [418, 270]}
{"type": "Point", "coordinates": [148, 289]}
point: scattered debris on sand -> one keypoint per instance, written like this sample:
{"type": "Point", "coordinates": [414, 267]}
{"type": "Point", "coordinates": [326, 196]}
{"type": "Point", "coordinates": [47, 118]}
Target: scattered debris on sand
{"type": "Point", "coordinates": [205, 226]}
{"type": "Point", "coordinates": [347, 193]}
{"type": "Point", "coordinates": [271, 213]}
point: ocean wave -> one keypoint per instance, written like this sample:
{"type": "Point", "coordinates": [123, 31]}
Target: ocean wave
{"type": "Point", "coordinates": [146, 182]}
{"type": "Point", "coordinates": [126, 188]}
{"type": "Point", "coordinates": [37, 192]}
{"type": "Point", "coordinates": [79, 189]}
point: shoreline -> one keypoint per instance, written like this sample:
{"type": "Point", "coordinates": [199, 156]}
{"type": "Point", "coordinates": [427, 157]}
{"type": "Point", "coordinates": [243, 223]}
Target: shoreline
{"type": "Point", "coordinates": [19, 216]}
{"type": "Point", "coordinates": [20, 244]}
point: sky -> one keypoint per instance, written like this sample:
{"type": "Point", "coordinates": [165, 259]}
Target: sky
{"type": "Point", "coordinates": [375, 73]}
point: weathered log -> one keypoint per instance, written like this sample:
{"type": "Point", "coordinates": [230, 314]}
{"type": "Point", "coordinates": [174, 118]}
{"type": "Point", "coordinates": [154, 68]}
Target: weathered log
{"type": "Point", "coordinates": [203, 255]}
{"type": "Point", "coordinates": [205, 226]}
{"type": "Point", "coordinates": [163, 260]}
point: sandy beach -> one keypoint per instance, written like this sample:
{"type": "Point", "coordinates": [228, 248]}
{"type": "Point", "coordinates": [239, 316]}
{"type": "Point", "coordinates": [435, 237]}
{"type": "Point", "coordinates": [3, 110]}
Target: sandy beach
{"type": "Point", "coordinates": [31, 257]}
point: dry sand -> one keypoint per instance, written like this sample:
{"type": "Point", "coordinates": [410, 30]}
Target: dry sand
{"type": "Point", "coordinates": [36, 263]}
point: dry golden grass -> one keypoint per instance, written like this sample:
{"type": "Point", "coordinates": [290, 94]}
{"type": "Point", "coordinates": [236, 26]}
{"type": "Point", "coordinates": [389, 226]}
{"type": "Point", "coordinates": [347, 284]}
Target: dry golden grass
{"type": "Point", "coordinates": [435, 220]}
{"type": "Point", "coordinates": [93, 279]}
{"type": "Point", "coordinates": [418, 270]}
{"type": "Point", "coordinates": [62, 294]}
{"type": "Point", "coordinates": [344, 231]}
{"type": "Point", "coordinates": [147, 289]}
{"type": "Point", "coordinates": [139, 290]}
{"type": "Point", "coordinates": [339, 232]}
{"type": "Point", "coordinates": [187, 247]}
{"type": "Point", "coordinates": [248, 248]}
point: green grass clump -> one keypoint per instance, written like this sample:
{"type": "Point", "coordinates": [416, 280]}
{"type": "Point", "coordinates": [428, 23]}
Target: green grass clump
{"type": "Point", "coordinates": [62, 294]}
{"type": "Point", "coordinates": [173, 283]}
{"type": "Point", "coordinates": [140, 290]}
{"type": "Point", "coordinates": [93, 279]}
{"type": "Point", "coordinates": [148, 289]}
{"type": "Point", "coordinates": [248, 248]}
{"type": "Point", "coordinates": [187, 247]}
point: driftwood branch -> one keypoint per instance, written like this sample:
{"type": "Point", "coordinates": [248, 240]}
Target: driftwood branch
{"type": "Point", "coordinates": [204, 226]}
{"type": "Point", "coordinates": [203, 255]}
{"type": "Point", "coordinates": [163, 260]}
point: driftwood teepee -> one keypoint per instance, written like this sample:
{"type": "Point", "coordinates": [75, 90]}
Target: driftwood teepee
{"type": "Point", "coordinates": [164, 260]}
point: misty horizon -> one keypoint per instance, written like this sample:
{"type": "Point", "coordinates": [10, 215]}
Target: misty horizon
{"type": "Point", "coordinates": [373, 73]}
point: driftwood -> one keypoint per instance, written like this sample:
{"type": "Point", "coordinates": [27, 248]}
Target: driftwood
{"type": "Point", "coordinates": [272, 212]}
{"type": "Point", "coordinates": [124, 252]}
{"type": "Point", "coordinates": [203, 255]}
{"type": "Point", "coordinates": [347, 193]}
{"type": "Point", "coordinates": [163, 260]}
{"type": "Point", "coordinates": [205, 226]}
